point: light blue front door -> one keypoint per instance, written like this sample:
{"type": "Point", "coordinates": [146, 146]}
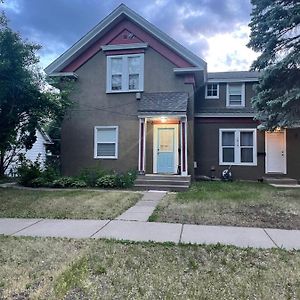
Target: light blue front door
{"type": "Point", "coordinates": [165, 150]}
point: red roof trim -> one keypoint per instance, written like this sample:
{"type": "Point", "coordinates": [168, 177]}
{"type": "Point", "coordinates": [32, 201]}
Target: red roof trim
{"type": "Point", "coordinates": [109, 38]}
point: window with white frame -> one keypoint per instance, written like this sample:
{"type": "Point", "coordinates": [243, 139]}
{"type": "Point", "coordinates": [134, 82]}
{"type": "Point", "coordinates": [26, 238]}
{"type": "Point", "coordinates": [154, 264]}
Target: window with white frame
{"type": "Point", "coordinates": [235, 95]}
{"type": "Point", "coordinates": [237, 147]}
{"type": "Point", "coordinates": [125, 73]}
{"type": "Point", "coordinates": [212, 91]}
{"type": "Point", "coordinates": [106, 142]}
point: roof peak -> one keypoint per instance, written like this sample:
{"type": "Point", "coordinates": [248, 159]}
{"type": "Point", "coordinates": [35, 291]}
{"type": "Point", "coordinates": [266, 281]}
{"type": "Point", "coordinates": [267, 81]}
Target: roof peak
{"type": "Point", "coordinates": [109, 21]}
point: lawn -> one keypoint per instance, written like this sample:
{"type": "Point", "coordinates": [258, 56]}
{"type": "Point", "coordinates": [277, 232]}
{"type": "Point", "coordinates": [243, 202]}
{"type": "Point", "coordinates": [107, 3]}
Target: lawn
{"type": "Point", "coordinates": [232, 203]}
{"type": "Point", "coordinates": [35, 268]}
{"type": "Point", "coordinates": [15, 203]}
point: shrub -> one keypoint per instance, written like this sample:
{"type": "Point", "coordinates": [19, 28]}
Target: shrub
{"type": "Point", "coordinates": [41, 182]}
{"type": "Point", "coordinates": [117, 180]}
{"type": "Point", "coordinates": [125, 180]}
{"type": "Point", "coordinates": [28, 171]}
{"type": "Point", "coordinates": [91, 175]}
{"type": "Point", "coordinates": [63, 182]}
{"type": "Point", "coordinates": [77, 183]}
{"type": "Point", "coordinates": [107, 181]}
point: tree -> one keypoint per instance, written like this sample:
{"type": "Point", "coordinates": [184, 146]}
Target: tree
{"type": "Point", "coordinates": [275, 34]}
{"type": "Point", "coordinates": [26, 102]}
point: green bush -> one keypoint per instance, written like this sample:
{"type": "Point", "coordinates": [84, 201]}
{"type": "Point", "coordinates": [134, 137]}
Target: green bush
{"type": "Point", "coordinates": [41, 182]}
{"type": "Point", "coordinates": [77, 183]}
{"type": "Point", "coordinates": [107, 181]}
{"type": "Point", "coordinates": [29, 171]}
{"type": "Point", "coordinates": [63, 182]}
{"type": "Point", "coordinates": [50, 174]}
{"type": "Point", "coordinates": [91, 175]}
{"type": "Point", "coordinates": [126, 180]}
{"type": "Point", "coordinates": [117, 180]}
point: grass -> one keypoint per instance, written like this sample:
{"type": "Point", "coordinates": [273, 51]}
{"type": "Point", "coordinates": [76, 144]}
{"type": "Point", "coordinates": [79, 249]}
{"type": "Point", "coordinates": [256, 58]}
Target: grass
{"type": "Point", "coordinates": [237, 203]}
{"type": "Point", "coordinates": [35, 268]}
{"type": "Point", "coordinates": [75, 204]}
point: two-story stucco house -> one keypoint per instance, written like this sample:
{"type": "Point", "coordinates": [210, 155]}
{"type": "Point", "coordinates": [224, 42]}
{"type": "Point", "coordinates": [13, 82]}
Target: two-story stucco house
{"type": "Point", "coordinates": [145, 102]}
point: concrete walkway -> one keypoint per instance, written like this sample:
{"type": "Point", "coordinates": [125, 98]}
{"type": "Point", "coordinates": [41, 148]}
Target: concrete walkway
{"type": "Point", "coordinates": [157, 232]}
{"type": "Point", "coordinates": [132, 225]}
{"type": "Point", "coordinates": [143, 208]}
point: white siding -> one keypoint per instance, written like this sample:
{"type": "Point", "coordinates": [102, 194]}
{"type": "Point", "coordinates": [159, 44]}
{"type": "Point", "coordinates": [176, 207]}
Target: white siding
{"type": "Point", "coordinates": [32, 154]}
{"type": "Point", "coordinates": [37, 148]}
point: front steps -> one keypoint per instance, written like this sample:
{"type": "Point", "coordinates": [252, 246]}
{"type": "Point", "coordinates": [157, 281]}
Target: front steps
{"type": "Point", "coordinates": [280, 180]}
{"type": "Point", "coordinates": [174, 183]}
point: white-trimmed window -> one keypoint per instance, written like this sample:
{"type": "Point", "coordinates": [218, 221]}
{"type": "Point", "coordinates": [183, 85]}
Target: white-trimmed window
{"type": "Point", "coordinates": [235, 95]}
{"type": "Point", "coordinates": [237, 147]}
{"type": "Point", "coordinates": [212, 91]}
{"type": "Point", "coordinates": [106, 142]}
{"type": "Point", "coordinates": [125, 73]}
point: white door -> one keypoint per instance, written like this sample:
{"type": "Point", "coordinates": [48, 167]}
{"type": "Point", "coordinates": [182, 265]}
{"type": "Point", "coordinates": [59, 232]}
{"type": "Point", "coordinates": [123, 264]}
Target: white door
{"type": "Point", "coordinates": [276, 152]}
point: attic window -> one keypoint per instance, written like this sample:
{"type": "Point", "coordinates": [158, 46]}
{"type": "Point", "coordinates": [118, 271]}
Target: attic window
{"type": "Point", "coordinates": [125, 73]}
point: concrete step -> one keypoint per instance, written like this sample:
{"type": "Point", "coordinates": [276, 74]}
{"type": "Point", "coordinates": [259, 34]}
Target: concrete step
{"type": "Point", "coordinates": [280, 180]}
{"type": "Point", "coordinates": [162, 182]}
{"type": "Point", "coordinates": [156, 187]}
{"type": "Point", "coordinates": [164, 177]}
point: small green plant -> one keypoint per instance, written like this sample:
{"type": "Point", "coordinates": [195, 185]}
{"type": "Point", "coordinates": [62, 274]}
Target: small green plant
{"type": "Point", "coordinates": [91, 175]}
{"type": "Point", "coordinates": [125, 180]}
{"type": "Point", "coordinates": [63, 182]}
{"type": "Point", "coordinates": [28, 171]}
{"type": "Point", "coordinates": [107, 181]}
{"type": "Point", "coordinates": [40, 182]}
{"type": "Point", "coordinates": [77, 183]}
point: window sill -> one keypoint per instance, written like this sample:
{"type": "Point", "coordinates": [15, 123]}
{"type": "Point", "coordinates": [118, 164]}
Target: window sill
{"type": "Point", "coordinates": [106, 157]}
{"type": "Point", "coordinates": [123, 92]}
{"type": "Point", "coordinates": [212, 97]}
{"type": "Point", "coordinates": [239, 164]}
{"type": "Point", "coordinates": [236, 106]}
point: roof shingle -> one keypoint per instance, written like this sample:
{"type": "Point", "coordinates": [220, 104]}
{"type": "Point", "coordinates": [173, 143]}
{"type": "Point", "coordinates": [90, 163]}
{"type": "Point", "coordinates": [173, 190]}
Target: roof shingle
{"type": "Point", "coordinates": [163, 102]}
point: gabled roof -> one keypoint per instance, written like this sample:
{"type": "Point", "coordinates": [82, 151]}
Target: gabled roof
{"type": "Point", "coordinates": [108, 23]}
{"type": "Point", "coordinates": [163, 103]}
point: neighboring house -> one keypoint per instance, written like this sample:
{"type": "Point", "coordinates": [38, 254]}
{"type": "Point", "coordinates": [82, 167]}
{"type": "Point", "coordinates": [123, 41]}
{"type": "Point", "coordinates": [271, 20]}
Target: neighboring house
{"type": "Point", "coordinates": [145, 102]}
{"type": "Point", "coordinates": [38, 151]}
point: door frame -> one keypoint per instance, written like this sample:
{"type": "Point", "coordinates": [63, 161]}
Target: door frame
{"type": "Point", "coordinates": [284, 149]}
{"type": "Point", "coordinates": [155, 144]}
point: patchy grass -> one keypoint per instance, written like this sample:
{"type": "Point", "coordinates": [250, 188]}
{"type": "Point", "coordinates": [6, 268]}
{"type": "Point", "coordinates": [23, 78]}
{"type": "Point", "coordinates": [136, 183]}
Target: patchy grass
{"type": "Point", "coordinates": [15, 203]}
{"type": "Point", "coordinates": [33, 268]}
{"type": "Point", "coordinates": [236, 203]}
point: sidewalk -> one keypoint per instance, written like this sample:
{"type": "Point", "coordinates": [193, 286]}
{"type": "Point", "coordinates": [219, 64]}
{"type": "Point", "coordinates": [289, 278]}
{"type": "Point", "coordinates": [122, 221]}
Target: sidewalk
{"type": "Point", "coordinates": [157, 232]}
{"type": "Point", "coordinates": [132, 225]}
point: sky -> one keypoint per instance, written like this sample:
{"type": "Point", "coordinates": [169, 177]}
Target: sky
{"type": "Point", "coordinates": [215, 30]}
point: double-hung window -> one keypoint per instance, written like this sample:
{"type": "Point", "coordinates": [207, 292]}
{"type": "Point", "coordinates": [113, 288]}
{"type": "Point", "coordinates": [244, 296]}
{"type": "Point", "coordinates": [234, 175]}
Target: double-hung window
{"type": "Point", "coordinates": [212, 91]}
{"type": "Point", "coordinates": [125, 73]}
{"type": "Point", "coordinates": [237, 147]}
{"type": "Point", "coordinates": [235, 95]}
{"type": "Point", "coordinates": [106, 142]}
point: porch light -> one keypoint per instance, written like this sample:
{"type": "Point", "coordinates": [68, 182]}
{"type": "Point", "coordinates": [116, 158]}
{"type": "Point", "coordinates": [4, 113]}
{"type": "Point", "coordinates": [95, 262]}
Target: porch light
{"type": "Point", "coordinates": [277, 129]}
{"type": "Point", "coordinates": [163, 119]}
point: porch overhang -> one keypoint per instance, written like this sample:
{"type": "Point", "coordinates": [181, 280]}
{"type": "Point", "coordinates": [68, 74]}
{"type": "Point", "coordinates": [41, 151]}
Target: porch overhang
{"type": "Point", "coordinates": [163, 104]}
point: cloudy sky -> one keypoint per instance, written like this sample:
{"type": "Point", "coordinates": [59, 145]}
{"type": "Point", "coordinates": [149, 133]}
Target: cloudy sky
{"type": "Point", "coordinates": [216, 30]}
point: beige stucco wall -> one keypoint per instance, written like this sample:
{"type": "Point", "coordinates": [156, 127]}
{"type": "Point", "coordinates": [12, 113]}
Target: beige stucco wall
{"type": "Point", "coordinates": [94, 107]}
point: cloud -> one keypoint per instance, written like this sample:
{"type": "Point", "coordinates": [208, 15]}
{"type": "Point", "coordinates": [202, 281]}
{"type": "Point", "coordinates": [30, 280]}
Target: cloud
{"type": "Point", "coordinates": [197, 24]}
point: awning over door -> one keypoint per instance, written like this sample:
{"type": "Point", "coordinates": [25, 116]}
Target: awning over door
{"type": "Point", "coordinates": [163, 103]}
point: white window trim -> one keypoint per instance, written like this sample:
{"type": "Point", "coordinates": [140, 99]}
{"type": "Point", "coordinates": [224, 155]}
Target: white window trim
{"type": "Point", "coordinates": [125, 74]}
{"type": "Point", "coordinates": [95, 142]}
{"type": "Point", "coordinates": [212, 97]}
{"type": "Point", "coordinates": [237, 148]}
{"type": "Point", "coordinates": [243, 96]}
